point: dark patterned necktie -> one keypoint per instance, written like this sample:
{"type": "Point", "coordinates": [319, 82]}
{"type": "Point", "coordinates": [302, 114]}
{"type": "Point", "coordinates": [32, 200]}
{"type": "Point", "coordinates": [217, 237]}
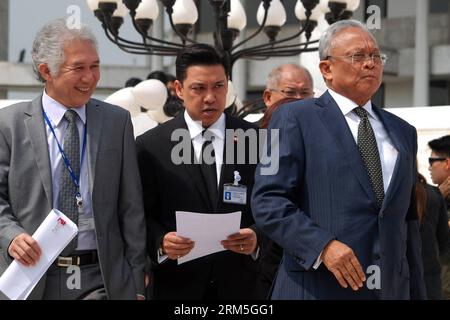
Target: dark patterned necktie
{"type": "Point", "coordinates": [67, 190]}
{"type": "Point", "coordinates": [367, 145]}
{"type": "Point", "coordinates": [208, 167]}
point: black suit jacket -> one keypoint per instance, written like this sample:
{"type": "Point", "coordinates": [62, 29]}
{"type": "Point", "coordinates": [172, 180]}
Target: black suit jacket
{"type": "Point", "coordinates": [169, 187]}
{"type": "Point", "coordinates": [435, 240]}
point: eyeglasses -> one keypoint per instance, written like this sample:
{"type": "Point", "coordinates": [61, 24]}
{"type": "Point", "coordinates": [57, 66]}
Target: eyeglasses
{"type": "Point", "coordinates": [432, 160]}
{"type": "Point", "coordinates": [358, 57]}
{"type": "Point", "coordinates": [289, 93]}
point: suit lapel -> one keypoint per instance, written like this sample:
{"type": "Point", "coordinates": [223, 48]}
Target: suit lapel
{"type": "Point", "coordinates": [94, 126]}
{"type": "Point", "coordinates": [34, 122]}
{"type": "Point", "coordinates": [192, 169]}
{"type": "Point", "coordinates": [398, 174]}
{"type": "Point", "coordinates": [337, 125]}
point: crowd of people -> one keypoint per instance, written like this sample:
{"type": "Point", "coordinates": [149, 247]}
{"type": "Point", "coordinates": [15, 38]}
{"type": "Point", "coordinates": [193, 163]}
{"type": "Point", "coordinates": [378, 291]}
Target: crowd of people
{"type": "Point", "coordinates": [344, 215]}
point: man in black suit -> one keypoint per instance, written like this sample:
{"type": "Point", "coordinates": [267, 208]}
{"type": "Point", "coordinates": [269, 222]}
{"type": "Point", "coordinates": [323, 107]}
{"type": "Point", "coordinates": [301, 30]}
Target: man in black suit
{"type": "Point", "coordinates": [440, 174]}
{"type": "Point", "coordinates": [198, 186]}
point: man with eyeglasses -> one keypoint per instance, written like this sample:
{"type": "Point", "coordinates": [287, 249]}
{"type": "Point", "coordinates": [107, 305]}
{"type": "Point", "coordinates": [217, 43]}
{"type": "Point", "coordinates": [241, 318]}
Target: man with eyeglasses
{"type": "Point", "coordinates": [342, 204]}
{"type": "Point", "coordinates": [288, 81]}
{"type": "Point", "coordinates": [439, 168]}
{"type": "Point", "coordinates": [440, 165]}
{"type": "Point", "coordinates": [285, 83]}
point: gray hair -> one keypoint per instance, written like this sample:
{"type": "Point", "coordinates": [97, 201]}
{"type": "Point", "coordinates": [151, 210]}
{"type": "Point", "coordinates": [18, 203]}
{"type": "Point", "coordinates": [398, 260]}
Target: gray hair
{"type": "Point", "coordinates": [325, 43]}
{"type": "Point", "coordinates": [274, 77]}
{"type": "Point", "coordinates": [48, 46]}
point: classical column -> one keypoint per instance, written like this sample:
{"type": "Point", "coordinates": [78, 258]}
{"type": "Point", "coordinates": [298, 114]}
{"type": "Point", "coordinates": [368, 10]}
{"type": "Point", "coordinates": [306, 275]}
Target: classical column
{"type": "Point", "coordinates": [156, 62]}
{"type": "Point", "coordinates": [422, 59]}
{"type": "Point", "coordinates": [240, 74]}
{"type": "Point", "coordinates": [4, 30]}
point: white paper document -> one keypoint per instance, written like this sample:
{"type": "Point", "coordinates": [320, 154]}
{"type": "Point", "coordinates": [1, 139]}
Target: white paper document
{"type": "Point", "coordinates": [206, 230]}
{"type": "Point", "coordinates": [53, 235]}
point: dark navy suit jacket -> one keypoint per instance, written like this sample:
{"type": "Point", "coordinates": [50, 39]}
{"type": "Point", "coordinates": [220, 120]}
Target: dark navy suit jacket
{"type": "Point", "coordinates": [322, 192]}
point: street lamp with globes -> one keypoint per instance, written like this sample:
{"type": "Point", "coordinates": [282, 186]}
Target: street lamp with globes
{"type": "Point", "coordinates": [230, 19]}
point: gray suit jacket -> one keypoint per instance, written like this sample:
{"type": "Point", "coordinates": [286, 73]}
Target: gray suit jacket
{"type": "Point", "coordinates": [26, 189]}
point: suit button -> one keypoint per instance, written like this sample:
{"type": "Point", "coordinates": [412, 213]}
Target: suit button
{"type": "Point", "coordinates": [376, 256]}
{"type": "Point", "coordinates": [381, 215]}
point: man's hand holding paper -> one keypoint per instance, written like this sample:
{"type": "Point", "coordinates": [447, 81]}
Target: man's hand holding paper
{"type": "Point", "coordinates": [243, 242]}
{"type": "Point", "coordinates": [175, 246]}
{"type": "Point", "coordinates": [209, 232]}
{"type": "Point", "coordinates": [25, 250]}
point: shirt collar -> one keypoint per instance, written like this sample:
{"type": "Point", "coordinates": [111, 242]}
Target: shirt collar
{"type": "Point", "coordinates": [346, 105]}
{"type": "Point", "coordinates": [195, 127]}
{"type": "Point", "coordinates": [55, 110]}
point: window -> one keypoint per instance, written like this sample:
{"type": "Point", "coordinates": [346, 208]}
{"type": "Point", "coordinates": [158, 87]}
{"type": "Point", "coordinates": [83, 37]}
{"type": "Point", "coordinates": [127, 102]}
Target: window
{"type": "Point", "coordinates": [439, 6]}
{"type": "Point", "coordinates": [439, 92]}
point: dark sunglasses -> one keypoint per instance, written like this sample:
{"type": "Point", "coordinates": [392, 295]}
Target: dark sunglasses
{"type": "Point", "coordinates": [433, 160]}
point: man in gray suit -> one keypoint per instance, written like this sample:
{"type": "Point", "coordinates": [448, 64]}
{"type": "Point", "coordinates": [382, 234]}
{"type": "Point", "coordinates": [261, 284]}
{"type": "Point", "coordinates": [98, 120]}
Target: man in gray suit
{"type": "Point", "coordinates": [67, 151]}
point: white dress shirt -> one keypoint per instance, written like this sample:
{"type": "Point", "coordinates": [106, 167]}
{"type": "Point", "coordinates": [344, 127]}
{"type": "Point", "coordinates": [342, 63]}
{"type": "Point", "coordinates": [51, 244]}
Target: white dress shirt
{"type": "Point", "coordinates": [55, 113]}
{"type": "Point", "coordinates": [217, 130]}
{"type": "Point", "coordinates": [388, 153]}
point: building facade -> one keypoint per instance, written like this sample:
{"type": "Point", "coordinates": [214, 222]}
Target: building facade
{"type": "Point", "coordinates": [415, 34]}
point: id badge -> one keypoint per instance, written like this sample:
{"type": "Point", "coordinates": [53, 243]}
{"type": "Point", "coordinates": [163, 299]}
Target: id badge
{"type": "Point", "coordinates": [236, 194]}
{"type": "Point", "coordinates": [86, 224]}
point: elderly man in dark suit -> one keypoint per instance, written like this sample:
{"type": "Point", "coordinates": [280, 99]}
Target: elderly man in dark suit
{"type": "Point", "coordinates": [67, 151]}
{"type": "Point", "coordinates": [198, 186]}
{"type": "Point", "coordinates": [342, 203]}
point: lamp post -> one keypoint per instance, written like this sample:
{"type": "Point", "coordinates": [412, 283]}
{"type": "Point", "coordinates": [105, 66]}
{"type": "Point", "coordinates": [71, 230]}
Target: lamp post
{"type": "Point", "coordinates": [230, 19]}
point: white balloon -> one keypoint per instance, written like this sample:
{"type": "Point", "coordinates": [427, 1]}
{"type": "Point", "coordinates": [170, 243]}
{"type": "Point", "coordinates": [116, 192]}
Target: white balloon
{"type": "Point", "coordinates": [124, 98]}
{"type": "Point", "coordinates": [142, 123]}
{"type": "Point", "coordinates": [150, 94]}
{"type": "Point", "coordinates": [158, 115]}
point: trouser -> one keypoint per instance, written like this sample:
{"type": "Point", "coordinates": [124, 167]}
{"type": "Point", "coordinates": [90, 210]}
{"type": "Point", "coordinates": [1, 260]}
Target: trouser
{"type": "Point", "coordinates": [73, 283]}
{"type": "Point", "coordinates": [445, 276]}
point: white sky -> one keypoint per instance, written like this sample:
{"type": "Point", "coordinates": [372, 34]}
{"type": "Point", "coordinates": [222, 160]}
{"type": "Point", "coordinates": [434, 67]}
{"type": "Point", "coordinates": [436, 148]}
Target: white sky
{"type": "Point", "coordinates": [26, 17]}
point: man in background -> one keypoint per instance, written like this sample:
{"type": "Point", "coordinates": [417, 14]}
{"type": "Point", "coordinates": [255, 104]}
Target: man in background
{"type": "Point", "coordinates": [285, 83]}
{"type": "Point", "coordinates": [440, 174]}
{"type": "Point", "coordinates": [288, 81]}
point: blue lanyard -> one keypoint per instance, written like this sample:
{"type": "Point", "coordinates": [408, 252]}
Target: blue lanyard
{"type": "Point", "coordinates": [75, 179]}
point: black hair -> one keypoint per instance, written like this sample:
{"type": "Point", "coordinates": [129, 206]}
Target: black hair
{"type": "Point", "coordinates": [132, 82]}
{"type": "Point", "coordinates": [441, 145]}
{"type": "Point", "coordinates": [170, 77]}
{"type": "Point", "coordinates": [158, 75]}
{"type": "Point", "coordinates": [198, 54]}
{"type": "Point", "coordinates": [173, 106]}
